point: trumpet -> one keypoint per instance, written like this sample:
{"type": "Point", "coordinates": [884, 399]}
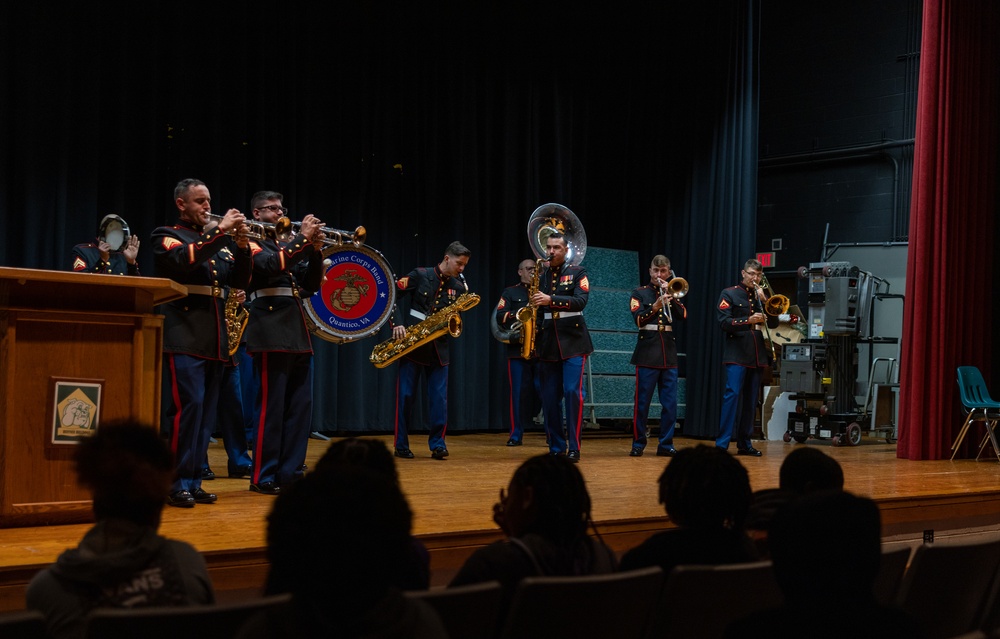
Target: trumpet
{"type": "Point", "coordinates": [256, 231]}
{"type": "Point", "coordinates": [335, 237]}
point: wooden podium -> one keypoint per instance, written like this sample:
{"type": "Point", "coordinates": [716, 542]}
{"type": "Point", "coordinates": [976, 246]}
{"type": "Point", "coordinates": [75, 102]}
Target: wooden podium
{"type": "Point", "coordinates": [76, 350]}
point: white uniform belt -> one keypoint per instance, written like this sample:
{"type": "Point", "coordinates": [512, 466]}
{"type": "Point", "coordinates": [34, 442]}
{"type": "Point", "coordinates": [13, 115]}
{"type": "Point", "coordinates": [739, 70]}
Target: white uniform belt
{"type": "Point", "coordinates": [418, 314]}
{"type": "Point", "coordinates": [757, 327]}
{"type": "Point", "coordinates": [558, 314]}
{"type": "Point", "coordinates": [278, 291]}
{"type": "Point", "coordinates": [656, 327]}
{"type": "Point", "coordinates": [214, 291]}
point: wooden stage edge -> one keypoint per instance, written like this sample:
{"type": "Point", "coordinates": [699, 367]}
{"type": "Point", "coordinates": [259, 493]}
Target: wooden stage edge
{"type": "Point", "coordinates": [452, 503]}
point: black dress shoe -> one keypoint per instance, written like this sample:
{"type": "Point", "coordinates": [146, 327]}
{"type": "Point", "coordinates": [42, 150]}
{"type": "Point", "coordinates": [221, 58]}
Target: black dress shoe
{"type": "Point", "coordinates": [240, 472]}
{"type": "Point", "coordinates": [573, 456]}
{"type": "Point", "coordinates": [207, 473]}
{"type": "Point", "coordinates": [555, 454]}
{"type": "Point", "coordinates": [635, 452]}
{"type": "Point", "coordinates": [753, 452]}
{"type": "Point", "coordinates": [201, 496]}
{"type": "Point", "coordinates": [266, 488]}
{"type": "Point", "coordinates": [666, 452]}
{"type": "Point", "coordinates": [439, 453]}
{"type": "Point", "coordinates": [180, 499]}
{"type": "Point", "coordinates": [405, 453]}
{"type": "Point", "coordinates": [513, 442]}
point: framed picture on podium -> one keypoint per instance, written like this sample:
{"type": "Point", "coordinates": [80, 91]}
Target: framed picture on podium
{"type": "Point", "coordinates": [74, 409]}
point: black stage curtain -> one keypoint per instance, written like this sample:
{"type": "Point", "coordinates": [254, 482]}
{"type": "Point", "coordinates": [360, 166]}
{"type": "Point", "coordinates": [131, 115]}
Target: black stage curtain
{"type": "Point", "coordinates": [425, 122]}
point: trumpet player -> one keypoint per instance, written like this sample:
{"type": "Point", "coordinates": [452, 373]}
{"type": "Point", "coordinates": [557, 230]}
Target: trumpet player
{"type": "Point", "coordinates": [655, 312]}
{"type": "Point", "coordinates": [278, 341]}
{"type": "Point", "coordinates": [745, 355]}
{"type": "Point", "coordinates": [523, 401]}
{"type": "Point", "coordinates": [195, 341]}
{"type": "Point", "coordinates": [430, 289]}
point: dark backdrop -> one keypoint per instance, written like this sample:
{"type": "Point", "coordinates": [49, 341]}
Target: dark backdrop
{"type": "Point", "coordinates": [425, 122]}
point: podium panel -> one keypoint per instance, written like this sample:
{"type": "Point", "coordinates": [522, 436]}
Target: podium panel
{"type": "Point", "coordinates": [58, 331]}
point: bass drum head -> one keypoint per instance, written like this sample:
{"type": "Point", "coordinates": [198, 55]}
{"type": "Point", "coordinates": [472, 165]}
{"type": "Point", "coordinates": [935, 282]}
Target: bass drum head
{"type": "Point", "coordinates": [357, 295]}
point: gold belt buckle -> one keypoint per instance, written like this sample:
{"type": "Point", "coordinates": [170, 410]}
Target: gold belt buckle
{"type": "Point", "coordinates": [295, 291]}
{"type": "Point", "coordinates": [555, 315]}
{"type": "Point", "coordinates": [216, 291]}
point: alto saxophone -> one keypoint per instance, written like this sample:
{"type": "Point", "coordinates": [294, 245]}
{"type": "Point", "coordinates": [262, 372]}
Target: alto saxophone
{"type": "Point", "coordinates": [446, 320]}
{"type": "Point", "coordinates": [528, 316]}
{"type": "Point", "coordinates": [236, 321]}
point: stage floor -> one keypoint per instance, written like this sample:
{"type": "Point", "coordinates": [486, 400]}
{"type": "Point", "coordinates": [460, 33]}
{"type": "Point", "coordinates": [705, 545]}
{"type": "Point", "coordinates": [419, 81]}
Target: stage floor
{"type": "Point", "coordinates": [452, 501]}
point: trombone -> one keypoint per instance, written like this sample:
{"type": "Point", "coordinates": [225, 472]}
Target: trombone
{"type": "Point", "coordinates": [676, 288]}
{"type": "Point", "coordinates": [774, 305]}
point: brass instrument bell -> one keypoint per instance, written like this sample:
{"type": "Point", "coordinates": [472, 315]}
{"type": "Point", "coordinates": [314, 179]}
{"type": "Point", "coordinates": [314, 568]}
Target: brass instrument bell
{"type": "Point", "coordinates": [556, 218]}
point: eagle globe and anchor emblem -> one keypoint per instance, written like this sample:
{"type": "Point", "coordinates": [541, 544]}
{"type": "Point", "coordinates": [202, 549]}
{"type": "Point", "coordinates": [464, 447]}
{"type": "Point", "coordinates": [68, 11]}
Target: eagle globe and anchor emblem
{"type": "Point", "coordinates": [356, 297]}
{"type": "Point", "coordinates": [347, 297]}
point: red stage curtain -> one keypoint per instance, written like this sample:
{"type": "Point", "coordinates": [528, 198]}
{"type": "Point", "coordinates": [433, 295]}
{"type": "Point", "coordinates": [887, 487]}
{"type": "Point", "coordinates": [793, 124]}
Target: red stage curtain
{"type": "Point", "coordinates": [948, 320]}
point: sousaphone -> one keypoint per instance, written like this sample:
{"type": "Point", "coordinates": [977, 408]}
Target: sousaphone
{"type": "Point", "coordinates": [543, 222]}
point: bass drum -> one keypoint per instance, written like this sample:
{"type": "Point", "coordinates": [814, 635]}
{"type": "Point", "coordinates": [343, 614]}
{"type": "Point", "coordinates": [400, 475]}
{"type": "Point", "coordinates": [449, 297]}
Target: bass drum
{"type": "Point", "coordinates": [357, 295]}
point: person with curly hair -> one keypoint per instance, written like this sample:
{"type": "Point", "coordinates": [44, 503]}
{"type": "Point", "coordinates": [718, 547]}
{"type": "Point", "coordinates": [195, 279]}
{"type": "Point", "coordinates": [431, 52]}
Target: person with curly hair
{"type": "Point", "coordinates": [706, 494]}
{"type": "Point", "coordinates": [545, 513]}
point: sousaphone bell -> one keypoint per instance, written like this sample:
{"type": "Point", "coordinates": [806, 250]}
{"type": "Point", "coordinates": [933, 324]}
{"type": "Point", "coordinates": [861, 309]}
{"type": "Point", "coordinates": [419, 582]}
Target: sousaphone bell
{"type": "Point", "coordinates": [556, 218]}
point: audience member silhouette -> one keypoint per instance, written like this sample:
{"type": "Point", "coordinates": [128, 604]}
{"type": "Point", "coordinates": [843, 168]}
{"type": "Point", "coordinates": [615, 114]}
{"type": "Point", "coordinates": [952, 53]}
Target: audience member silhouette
{"type": "Point", "coordinates": [414, 573]}
{"type": "Point", "coordinates": [807, 470]}
{"type": "Point", "coordinates": [545, 514]}
{"type": "Point", "coordinates": [804, 470]}
{"type": "Point", "coordinates": [121, 562]}
{"type": "Point", "coordinates": [344, 589]}
{"type": "Point", "coordinates": [706, 493]}
{"type": "Point", "coordinates": [826, 549]}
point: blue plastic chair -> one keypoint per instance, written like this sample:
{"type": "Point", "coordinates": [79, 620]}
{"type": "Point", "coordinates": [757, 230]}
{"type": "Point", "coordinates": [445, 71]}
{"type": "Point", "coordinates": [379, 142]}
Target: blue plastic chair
{"type": "Point", "coordinates": [982, 408]}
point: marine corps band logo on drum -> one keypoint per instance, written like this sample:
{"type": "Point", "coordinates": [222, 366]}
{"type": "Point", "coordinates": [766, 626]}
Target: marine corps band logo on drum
{"type": "Point", "coordinates": [357, 295]}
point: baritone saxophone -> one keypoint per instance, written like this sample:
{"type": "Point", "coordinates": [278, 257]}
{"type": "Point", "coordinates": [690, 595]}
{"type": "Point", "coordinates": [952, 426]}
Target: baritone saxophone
{"type": "Point", "coordinates": [447, 320]}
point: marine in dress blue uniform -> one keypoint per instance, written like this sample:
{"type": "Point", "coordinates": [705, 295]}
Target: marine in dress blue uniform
{"type": "Point", "coordinates": [522, 397]}
{"type": "Point", "coordinates": [195, 341]}
{"type": "Point", "coordinates": [745, 356]}
{"type": "Point", "coordinates": [563, 345]}
{"type": "Point", "coordinates": [655, 313]}
{"type": "Point", "coordinates": [430, 289]}
{"type": "Point", "coordinates": [278, 340]}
